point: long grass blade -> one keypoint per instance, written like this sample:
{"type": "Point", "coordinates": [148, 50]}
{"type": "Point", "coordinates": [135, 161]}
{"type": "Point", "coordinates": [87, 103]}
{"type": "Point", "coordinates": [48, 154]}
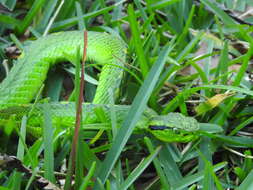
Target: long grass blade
{"type": "Point", "coordinates": [135, 112]}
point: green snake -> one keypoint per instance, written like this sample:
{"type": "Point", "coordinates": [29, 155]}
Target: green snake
{"type": "Point", "coordinates": [26, 77]}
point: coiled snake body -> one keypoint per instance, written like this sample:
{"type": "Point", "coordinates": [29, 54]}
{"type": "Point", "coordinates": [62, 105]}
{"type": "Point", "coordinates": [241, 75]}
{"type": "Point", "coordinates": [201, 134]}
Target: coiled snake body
{"type": "Point", "coordinates": [22, 84]}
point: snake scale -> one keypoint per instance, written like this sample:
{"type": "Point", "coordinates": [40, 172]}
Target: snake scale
{"type": "Point", "coordinates": [26, 77]}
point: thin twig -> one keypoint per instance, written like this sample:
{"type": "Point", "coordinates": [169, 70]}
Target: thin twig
{"type": "Point", "coordinates": [79, 107]}
{"type": "Point", "coordinates": [247, 13]}
{"type": "Point", "coordinates": [237, 153]}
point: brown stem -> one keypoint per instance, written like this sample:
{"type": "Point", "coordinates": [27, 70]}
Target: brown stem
{"type": "Point", "coordinates": [79, 107]}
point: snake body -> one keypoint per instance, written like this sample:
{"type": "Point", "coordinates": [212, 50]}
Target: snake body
{"type": "Point", "coordinates": [29, 72]}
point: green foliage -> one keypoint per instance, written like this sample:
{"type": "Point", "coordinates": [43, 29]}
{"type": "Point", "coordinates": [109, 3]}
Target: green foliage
{"type": "Point", "coordinates": [165, 70]}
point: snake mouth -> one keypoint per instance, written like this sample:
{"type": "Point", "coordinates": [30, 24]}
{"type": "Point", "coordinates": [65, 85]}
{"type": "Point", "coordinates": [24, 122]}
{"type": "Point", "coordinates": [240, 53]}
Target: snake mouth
{"type": "Point", "coordinates": [171, 134]}
{"type": "Point", "coordinates": [164, 128]}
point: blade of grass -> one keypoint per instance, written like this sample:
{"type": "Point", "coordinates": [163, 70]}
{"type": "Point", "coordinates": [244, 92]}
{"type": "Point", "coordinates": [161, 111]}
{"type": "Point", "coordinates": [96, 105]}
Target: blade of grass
{"type": "Point", "coordinates": [209, 177]}
{"type": "Point", "coordinates": [54, 86]}
{"type": "Point", "coordinates": [118, 175]}
{"type": "Point", "coordinates": [67, 9]}
{"type": "Point", "coordinates": [79, 165]}
{"type": "Point", "coordinates": [72, 21]}
{"type": "Point", "coordinates": [89, 156]}
{"type": "Point", "coordinates": [170, 168]}
{"type": "Point", "coordinates": [143, 13]}
{"type": "Point", "coordinates": [128, 173]}
{"type": "Point", "coordinates": [113, 114]}
{"type": "Point", "coordinates": [189, 47]}
{"type": "Point", "coordinates": [53, 18]}
{"type": "Point", "coordinates": [207, 65]}
{"type": "Point", "coordinates": [173, 104]}
{"type": "Point", "coordinates": [48, 132]}
{"type": "Point", "coordinates": [79, 13]}
{"type": "Point", "coordinates": [10, 4]}
{"type": "Point", "coordinates": [142, 61]}
{"type": "Point", "coordinates": [244, 66]}
{"type": "Point", "coordinates": [20, 154]}
{"type": "Point", "coordinates": [247, 182]}
{"type": "Point", "coordinates": [205, 159]}
{"type": "Point", "coordinates": [185, 182]}
{"type": "Point", "coordinates": [88, 177]}
{"type": "Point", "coordinates": [21, 148]}
{"type": "Point", "coordinates": [241, 126]}
{"type": "Point", "coordinates": [139, 169]}
{"type": "Point", "coordinates": [220, 13]}
{"type": "Point", "coordinates": [157, 164]}
{"type": "Point", "coordinates": [33, 154]}
{"type": "Point", "coordinates": [223, 64]}
{"type": "Point", "coordinates": [30, 16]}
{"type": "Point", "coordinates": [234, 140]}
{"type": "Point", "coordinates": [34, 32]}
{"type": "Point", "coordinates": [106, 15]}
{"type": "Point", "coordinates": [29, 183]}
{"type": "Point", "coordinates": [12, 22]}
{"type": "Point", "coordinates": [181, 41]}
{"type": "Point", "coordinates": [221, 116]}
{"type": "Point", "coordinates": [162, 4]}
{"type": "Point", "coordinates": [135, 112]}
{"type": "Point", "coordinates": [169, 71]}
{"type": "Point", "coordinates": [117, 11]}
{"type": "Point", "coordinates": [47, 13]}
{"type": "Point", "coordinates": [17, 42]}
{"type": "Point", "coordinates": [219, 27]}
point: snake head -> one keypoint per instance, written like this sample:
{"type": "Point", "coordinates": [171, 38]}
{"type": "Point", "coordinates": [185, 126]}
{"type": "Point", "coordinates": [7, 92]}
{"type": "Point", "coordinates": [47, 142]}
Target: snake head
{"type": "Point", "coordinates": [174, 127]}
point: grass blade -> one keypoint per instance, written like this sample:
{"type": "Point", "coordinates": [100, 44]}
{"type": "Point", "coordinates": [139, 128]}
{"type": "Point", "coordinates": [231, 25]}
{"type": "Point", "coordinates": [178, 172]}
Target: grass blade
{"type": "Point", "coordinates": [49, 9]}
{"type": "Point", "coordinates": [79, 13]}
{"type": "Point", "coordinates": [87, 178]}
{"type": "Point", "coordinates": [135, 112]}
{"type": "Point", "coordinates": [220, 13]}
{"type": "Point", "coordinates": [30, 16]}
{"type": "Point", "coordinates": [158, 165]}
{"type": "Point", "coordinates": [20, 154]}
{"type": "Point", "coordinates": [48, 132]}
{"type": "Point", "coordinates": [139, 169]}
{"type": "Point", "coordinates": [196, 177]}
{"type": "Point", "coordinates": [247, 183]}
{"type": "Point", "coordinates": [137, 41]}
{"type": "Point", "coordinates": [72, 21]}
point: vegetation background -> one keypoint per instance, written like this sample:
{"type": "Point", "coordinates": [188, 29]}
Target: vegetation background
{"type": "Point", "coordinates": [207, 75]}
